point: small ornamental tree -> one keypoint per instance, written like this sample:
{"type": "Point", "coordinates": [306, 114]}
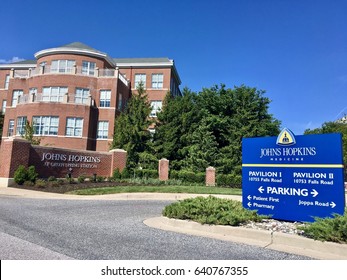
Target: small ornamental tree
{"type": "Point", "coordinates": [29, 134]}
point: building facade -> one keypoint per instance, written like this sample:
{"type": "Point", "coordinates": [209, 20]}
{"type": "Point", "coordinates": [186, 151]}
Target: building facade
{"type": "Point", "coordinates": [72, 94]}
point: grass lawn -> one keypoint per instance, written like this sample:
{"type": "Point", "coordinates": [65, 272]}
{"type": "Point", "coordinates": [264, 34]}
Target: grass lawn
{"type": "Point", "coordinates": [158, 189]}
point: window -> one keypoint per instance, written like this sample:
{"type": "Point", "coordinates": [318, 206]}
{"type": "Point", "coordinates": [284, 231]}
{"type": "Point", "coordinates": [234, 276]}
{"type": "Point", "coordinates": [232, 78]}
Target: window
{"type": "Point", "coordinates": [157, 81]}
{"type": "Point", "coordinates": [3, 108]}
{"type": "Point", "coordinates": [140, 78]}
{"type": "Point", "coordinates": [7, 81]}
{"type": "Point", "coordinates": [74, 127]}
{"type": "Point", "coordinates": [102, 130]}
{"type": "Point", "coordinates": [156, 107]}
{"type": "Point", "coordinates": [21, 123]}
{"type": "Point", "coordinates": [16, 96]}
{"type": "Point", "coordinates": [82, 96]}
{"type": "Point", "coordinates": [53, 94]}
{"type": "Point", "coordinates": [45, 125]}
{"type": "Point", "coordinates": [10, 127]}
{"type": "Point", "coordinates": [105, 98]}
{"type": "Point", "coordinates": [62, 66]}
{"type": "Point", "coordinates": [120, 102]}
{"type": "Point", "coordinates": [88, 68]}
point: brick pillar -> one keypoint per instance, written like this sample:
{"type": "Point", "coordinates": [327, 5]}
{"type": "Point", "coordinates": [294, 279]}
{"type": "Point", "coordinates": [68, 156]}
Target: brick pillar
{"type": "Point", "coordinates": [210, 176]}
{"type": "Point", "coordinates": [163, 169]}
{"type": "Point", "coordinates": [14, 152]}
{"type": "Point", "coordinates": [119, 160]}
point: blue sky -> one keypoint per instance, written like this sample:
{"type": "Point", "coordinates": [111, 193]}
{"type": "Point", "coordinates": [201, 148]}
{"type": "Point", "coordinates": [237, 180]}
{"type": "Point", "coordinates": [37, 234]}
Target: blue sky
{"type": "Point", "coordinates": [295, 50]}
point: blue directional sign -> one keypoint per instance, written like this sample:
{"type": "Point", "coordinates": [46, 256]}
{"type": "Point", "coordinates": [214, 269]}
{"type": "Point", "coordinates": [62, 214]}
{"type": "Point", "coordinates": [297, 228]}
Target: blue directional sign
{"type": "Point", "coordinates": [294, 178]}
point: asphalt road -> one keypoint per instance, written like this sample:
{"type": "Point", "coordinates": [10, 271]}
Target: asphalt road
{"type": "Point", "coordinates": [106, 230]}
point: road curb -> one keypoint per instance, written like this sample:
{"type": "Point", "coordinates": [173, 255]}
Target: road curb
{"type": "Point", "coordinates": [283, 242]}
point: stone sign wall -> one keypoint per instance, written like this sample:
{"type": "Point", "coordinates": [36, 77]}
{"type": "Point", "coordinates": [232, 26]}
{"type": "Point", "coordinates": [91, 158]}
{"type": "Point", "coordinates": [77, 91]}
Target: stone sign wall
{"type": "Point", "coordinates": [57, 162]}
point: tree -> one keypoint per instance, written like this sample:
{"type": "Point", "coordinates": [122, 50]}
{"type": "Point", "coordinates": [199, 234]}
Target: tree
{"type": "Point", "coordinates": [29, 134]}
{"type": "Point", "coordinates": [243, 113]}
{"type": "Point", "coordinates": [131, 127]}
{"type": "Point", "coordinates": [203, 151]}
{"type": "Point", "coordinates": [175, 124]}
{"type": "Point", "coordinates": [333, 127]}
{"type": "Point", "coordinates": [198, 130]}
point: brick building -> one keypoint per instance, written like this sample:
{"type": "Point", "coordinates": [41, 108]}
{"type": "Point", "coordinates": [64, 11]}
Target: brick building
{"type": "Point", "coordinates": [72, 94]}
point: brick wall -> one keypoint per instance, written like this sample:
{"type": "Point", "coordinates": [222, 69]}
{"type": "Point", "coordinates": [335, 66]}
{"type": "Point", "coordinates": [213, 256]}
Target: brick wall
{"type": "Point", "coordinates": [58, 162]}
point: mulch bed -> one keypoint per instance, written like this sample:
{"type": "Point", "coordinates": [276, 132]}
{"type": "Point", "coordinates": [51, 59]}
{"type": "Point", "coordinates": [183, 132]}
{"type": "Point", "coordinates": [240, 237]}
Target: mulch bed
{"type": "Point", "coordinates": [66, 187]}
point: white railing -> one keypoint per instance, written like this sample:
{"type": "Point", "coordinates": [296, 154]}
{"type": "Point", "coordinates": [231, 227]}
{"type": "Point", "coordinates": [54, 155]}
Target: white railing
{"type": "Point", "coordinates": [21, 73]}
{"type": "Point", "coordinates": [77, 70]}
{"type": "Point", "coordinates": [66, 98]}
{"type": "Point", "coordinates": [106, 72]}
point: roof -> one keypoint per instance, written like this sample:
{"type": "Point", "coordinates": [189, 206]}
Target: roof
{"type": "Point", "coordinates": [79, 46]}
{"type": "Point", "coordinates": [28, 61]}
{"type": "Point", "coordinates": [142, 60]}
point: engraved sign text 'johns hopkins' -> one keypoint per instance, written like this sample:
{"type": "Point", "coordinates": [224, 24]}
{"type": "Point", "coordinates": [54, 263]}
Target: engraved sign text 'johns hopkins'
{"type": "Point", "coordinates": [70, 160]}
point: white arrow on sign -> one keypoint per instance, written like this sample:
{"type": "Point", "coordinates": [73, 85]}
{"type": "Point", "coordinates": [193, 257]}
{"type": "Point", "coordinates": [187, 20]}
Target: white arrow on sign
{"type": "Point", "coordinates": [332, 204]}
{"type": "Point", "coordinates": [249, 204]}
{"type": "Point", "coordinates": [249, 197]}
{"type": "Point", "coordinates": [261, 189]}
{"type": "Point", "coordinates": [314, 193]}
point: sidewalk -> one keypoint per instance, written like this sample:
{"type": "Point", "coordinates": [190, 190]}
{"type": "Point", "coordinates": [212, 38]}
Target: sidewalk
{"type": "Point", "coordinates": [277, 241]}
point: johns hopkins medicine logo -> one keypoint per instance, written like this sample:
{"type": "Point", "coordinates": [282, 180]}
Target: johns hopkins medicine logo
{"type": "Point", "coordinates": [287, 150]}
{"type": "Point", "coordinates": [285, 138]}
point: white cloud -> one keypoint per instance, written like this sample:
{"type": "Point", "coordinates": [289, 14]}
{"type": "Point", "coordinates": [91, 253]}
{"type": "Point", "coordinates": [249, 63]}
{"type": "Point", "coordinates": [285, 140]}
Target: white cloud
{"type": "Point", "coordinates": [12, 60]}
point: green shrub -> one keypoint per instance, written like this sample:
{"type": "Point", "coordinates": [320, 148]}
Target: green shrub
{"type": "Point", "coordinates": [211, 210]}
{"type": "Point", "coordinates": [40, 183]}
{"type": "Point", "coordinates": [173, 174]}
{"type": "Point", "coordinates": [328, 229]}
{"type": "Point", "coordinates": [190, 176]}
{"type": "Point", "coordinates": [28, 183]}
{"type": "Point", "coordinates": [20, 175]}
{"type": "Point", "coordinates": [100, 179]}
{"type": "Point", "coordinates": [51, 179]}
{"type": "Point", "coordinates": [125, 174]}
{"type": "Point", "coordinates": [116, 174]}
{"type": "Point", "coordinates": [81, 178]}
{"type": "Point", "coordinates": [229, 180]}
{"type": "Point", "coordinates": [32, 174]}
{"type": "Point", "coordinates": [61, 181]}
{"type": "Point", "coordinates": [150, 173]}
{"type": "Point", "coordinates": [54, 184]}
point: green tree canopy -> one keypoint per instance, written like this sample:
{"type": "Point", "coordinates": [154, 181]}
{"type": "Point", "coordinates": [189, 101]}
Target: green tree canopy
{"type": "Point", "coordinates": [333, 127]}
{"type": "Point", "coordinates": [131, 127]}
{"type": "Point", "coordinates": [198, 130]}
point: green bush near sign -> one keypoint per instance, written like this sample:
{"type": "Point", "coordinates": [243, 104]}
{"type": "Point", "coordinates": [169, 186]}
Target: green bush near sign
{"type": "Point", "coordinates": [330, 229]}
{"type": "Point", "coordinates": [23, 174]}
{"type": "Point", "coordinates": [211, 210]}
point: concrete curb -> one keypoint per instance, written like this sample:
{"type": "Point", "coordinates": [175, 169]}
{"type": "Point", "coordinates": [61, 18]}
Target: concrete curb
{"type": "Point", "coordinates": [276, 241]}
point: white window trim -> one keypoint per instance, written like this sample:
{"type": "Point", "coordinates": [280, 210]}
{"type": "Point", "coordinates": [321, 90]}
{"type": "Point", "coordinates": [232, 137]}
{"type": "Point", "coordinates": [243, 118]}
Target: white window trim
{"type": "Point", "coordinates": [105, 98]}
{"type": "Point", "coordinates": [44, 125]}
{"type": "Point", "coordinates": [102, 130]}
{"type": "Point", "coordinates": [143, 78]}
{"type": "Point", "coordinates": [74, 128]}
